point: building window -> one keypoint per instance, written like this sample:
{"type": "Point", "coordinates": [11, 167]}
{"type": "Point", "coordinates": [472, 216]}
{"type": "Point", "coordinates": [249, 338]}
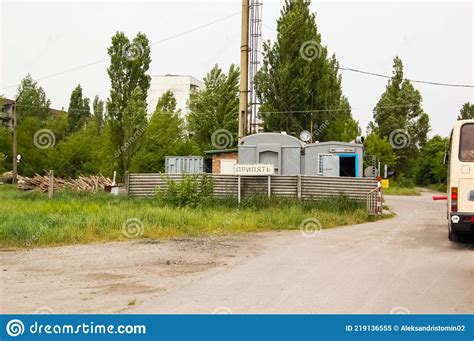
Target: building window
{"type": "Point", "coordinates": [466, 145]}
{"type": "Point", "coordinates": [321, 162]}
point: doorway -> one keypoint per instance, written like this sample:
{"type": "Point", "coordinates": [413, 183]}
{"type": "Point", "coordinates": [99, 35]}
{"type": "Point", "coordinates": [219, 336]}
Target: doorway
{"type": "Point", "coordinates": [348, 165]}
{"type": "Point", "coordinates": [270, 158]}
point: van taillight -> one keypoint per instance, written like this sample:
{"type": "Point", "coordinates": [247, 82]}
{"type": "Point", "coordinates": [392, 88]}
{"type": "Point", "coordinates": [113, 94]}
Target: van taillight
{"type": "Point", "coordinates": [454, 199]}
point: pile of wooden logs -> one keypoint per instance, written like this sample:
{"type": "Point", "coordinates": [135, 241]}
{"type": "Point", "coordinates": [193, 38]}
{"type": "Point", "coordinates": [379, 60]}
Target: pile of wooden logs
{"type": "Point", "coordinates": [7, 177]}
{"type": "Point", "coordinates": [83, 183]}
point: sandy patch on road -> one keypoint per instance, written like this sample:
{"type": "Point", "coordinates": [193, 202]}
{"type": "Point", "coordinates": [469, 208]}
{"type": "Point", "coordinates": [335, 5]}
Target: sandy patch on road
{"type": "Point", "coordinates": [111, 277]}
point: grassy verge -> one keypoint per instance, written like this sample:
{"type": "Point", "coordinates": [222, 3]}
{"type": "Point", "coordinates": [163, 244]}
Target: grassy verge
{"type": "Point", "coordinates": [438, 187]}
{"type": "Point", "coordinates": [395, 190]}
{"type": "Point", "coordinates": [30, 219]}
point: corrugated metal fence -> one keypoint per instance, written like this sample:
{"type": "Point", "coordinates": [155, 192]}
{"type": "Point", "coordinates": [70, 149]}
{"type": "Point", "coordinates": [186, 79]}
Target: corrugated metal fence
{"type": "Point", "coordinates": [301, 186]}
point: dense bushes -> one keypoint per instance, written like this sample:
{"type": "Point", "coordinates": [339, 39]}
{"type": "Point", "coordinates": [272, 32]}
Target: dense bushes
{"type": "Point", "coordinates": [192, 190]}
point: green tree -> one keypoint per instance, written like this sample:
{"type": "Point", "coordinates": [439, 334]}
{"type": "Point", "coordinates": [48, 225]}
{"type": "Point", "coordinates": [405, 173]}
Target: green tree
{"type": "Point", "coordinates": [215, 108]}
{"type": "Point", "coordinates": [399, 116]}
{"type": "Point", "coordinates": [298, 85]}
{"type": "Point", "coordinates": [3, 161]}
{"type": "Point", "coordinates": [35, 145]}
{"type": "Point", "coordinates": [381, 148]}
{"type": "Point", "coordinates": [430, 166]}
{"type": "Point", "coordinates": [32, 101]}
{"type": "Point", "coordinates": [78, 111]}
{"type": "Point", "coordinates": [134, 124]}
{"type": "Point", "coordinates": [74, 156]}
{"type": "Point", "coordinates": [5, 149]}
{"type": "Point", "coordinates": [98, 110]}
{"type": "Point", "coordinates": [467, 112]}
{"type": "Point", "coordinates": [164, 136]}
{"type": "Point", "coordinates": [342, 127]}
{"type": "Point", "coordinates": [166, 103]}
{"type": "Point", "coordinates": [129, 62]}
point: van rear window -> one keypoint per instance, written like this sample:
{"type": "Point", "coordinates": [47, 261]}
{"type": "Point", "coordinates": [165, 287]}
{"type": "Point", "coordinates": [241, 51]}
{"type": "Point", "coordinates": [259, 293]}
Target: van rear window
{"type": "Point", "coordinates": [466, 148]}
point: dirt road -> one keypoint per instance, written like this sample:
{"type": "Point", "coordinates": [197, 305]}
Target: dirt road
{"type": "Point", "coordinates": [404, 264]}
{"type": "Point", "coordinates": [111, 277]}
{"type": "Point", "coordinates": [401, 265]}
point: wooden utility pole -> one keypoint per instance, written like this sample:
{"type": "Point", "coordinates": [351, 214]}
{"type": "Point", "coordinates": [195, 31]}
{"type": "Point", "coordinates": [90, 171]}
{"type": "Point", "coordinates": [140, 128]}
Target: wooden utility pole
{"type": "Point", "coordinates": [14, 158]}
{"type": "Point", "coordinates": [51, 184]}
{"type": "Point", "coordinates": [244, 70]}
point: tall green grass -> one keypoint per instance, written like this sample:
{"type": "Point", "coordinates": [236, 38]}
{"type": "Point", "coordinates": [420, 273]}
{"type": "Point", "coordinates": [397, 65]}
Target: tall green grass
{"type": "Point", "coordinates": [397, 190]}
{"type": "Point", "coordinates": [31, 219]}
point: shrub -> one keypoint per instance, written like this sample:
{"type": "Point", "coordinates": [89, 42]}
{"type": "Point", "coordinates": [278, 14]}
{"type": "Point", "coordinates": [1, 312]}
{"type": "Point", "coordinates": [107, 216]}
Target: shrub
{"type": "Point", "coordinates": [192, 190]}
{"type": "Point", "coordinates": [403, 181]}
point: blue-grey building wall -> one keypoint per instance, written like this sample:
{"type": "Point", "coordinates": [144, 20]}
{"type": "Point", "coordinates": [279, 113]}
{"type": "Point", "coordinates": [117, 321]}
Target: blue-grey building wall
{"type": "Point", "coordinates": [290, 156]}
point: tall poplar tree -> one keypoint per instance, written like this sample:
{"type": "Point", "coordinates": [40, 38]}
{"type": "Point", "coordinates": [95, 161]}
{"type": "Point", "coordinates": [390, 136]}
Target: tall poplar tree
{"type": "Point", "coordinates": [78, 111]}
{"type": "Point", "coordinates": [467, 112]}
{"type": "Point", "coordinates": [129, 62]}
{"type": "Point", "coordinates": [215, 108]}
{"type": "Point", "coordinates": [299, 86]}
{"type": "Point", "coordinates": [32, 101]}
{"type": "Point", "coordinates": [98, 110]}
{"type": "Point", "coordinates": [399, 116]}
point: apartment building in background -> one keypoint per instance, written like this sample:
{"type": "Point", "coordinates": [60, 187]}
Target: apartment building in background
{"type": "Point", "coordinates": [182, 87]}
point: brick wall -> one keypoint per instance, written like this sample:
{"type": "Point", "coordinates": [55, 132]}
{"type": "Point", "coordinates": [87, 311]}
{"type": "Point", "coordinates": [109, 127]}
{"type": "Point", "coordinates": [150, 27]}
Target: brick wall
{"type": "Point", "coordinates": [216, 160]}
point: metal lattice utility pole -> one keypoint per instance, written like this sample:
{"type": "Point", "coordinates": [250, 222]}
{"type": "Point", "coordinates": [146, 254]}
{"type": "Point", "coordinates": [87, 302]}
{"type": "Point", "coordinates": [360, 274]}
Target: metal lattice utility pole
{"type": "Point", "coordinates": [244, 72]}
{"type": "Point", "coordinates": [255, 38]}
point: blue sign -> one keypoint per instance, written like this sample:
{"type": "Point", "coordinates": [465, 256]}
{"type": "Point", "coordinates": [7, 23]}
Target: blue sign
{"type": "Point", "coordinates": [237, 327]}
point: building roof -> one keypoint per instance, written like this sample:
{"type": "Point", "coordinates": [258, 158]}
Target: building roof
{"type": "Point", "coordinates": [194, 80]}
{"type": "Point", "coordinates": [7, 101]}
{"type": "Point", "coordinates": [335, 143]}
{"type": "Point", "coordinates": [51, 110]}
{"type": "Point", "coordinates": [221, 151]}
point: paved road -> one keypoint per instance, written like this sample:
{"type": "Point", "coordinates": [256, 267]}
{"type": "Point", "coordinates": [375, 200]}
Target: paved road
{"type": "Point", "coordinates": [404, 264]}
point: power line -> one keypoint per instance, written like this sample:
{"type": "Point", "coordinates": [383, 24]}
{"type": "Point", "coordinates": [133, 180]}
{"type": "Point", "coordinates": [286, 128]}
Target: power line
{"type": "Point", "coordinates": [196, 28]}
{"type": "Point", "coordinates": [389, 77]}
{"type": "Point", "coordinates": [154, 43]}
{"type": "Point", "coordinates": [410, 80]}
{"type": "Point", "coordinates": [332, 110]}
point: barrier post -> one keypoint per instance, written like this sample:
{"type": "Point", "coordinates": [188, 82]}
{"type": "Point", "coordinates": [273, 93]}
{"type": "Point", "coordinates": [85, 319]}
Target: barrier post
{"type": "Point", "coordinates": [238, 188]}
{"type": "Point", "coordinates": [269, 186]}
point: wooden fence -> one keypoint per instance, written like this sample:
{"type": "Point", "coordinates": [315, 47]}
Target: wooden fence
{"type": "Point", "coordinates": [300, 186]}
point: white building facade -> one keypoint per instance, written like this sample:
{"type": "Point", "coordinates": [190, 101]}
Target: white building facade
{"type": "Point", "coordinates": [182, 87]}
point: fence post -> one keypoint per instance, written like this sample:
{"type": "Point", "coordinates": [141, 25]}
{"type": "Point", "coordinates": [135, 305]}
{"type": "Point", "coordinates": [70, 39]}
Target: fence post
{"type": "Point", "coordinates": [269, 186]}
{"type": "Point", "coordinates": [127, 182]}
{"type": "Point", "coordinates": [298, 186]}
{"type": "Point", "coordinates": [50, 184]}
{"type": "Point", "coordinates": [238, 188]}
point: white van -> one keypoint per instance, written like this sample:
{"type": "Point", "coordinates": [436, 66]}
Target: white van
{"type": "Point", "coordinates": [460, 158]}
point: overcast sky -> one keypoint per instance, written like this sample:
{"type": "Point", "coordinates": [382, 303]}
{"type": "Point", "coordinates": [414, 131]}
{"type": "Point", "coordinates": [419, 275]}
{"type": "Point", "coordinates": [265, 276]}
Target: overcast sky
{"type": "Point", "coordinates": [434, 40]}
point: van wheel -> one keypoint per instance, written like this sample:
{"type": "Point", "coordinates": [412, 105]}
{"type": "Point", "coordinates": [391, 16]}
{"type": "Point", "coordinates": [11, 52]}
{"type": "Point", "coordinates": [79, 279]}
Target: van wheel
{"type": "Point", "coordinates": [452, 236]}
